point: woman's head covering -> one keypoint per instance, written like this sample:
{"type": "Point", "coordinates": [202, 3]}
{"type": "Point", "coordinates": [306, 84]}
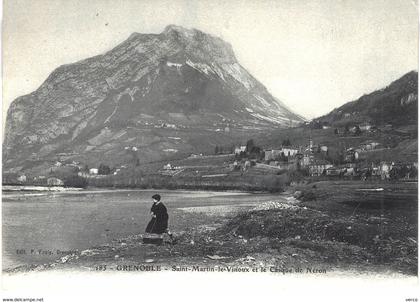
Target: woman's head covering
{"type": "Point", "coordinates": [156, 197]}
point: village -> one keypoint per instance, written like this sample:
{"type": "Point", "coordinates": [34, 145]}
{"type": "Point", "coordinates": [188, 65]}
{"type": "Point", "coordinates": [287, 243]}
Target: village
{"type": "Point", "coordinates": [316, 161]}
{"type": "Point", "coordinates": [312, 160]}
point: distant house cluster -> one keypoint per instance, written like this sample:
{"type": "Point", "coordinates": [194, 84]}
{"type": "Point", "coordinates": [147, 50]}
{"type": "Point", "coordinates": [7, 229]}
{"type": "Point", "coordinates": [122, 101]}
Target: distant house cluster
{"type": "Point", "coordinates": [313, 158]}
{"type": "Point", "coordinates": [239, 150]}
{"type": "Point", "coordinates": [277, 154]}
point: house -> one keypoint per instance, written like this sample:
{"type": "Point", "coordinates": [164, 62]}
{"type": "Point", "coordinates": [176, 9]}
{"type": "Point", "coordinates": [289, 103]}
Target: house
{"type": "Point", "coordinates": [353, 129]}
{"type": "Point", "coordinates": [274, 163]}
{"type": "Point", "coordinates": [404, 170]}
{"type": "Point", "coordinates": [240, 149]}
{"type": "Point", "coordinates": [349, 172]}
{"type": "Point", "coordinates": [54, 181]}
{"type": "Point", "coordinates": [93, 171]}
{"type": "Point", "coordinates": [21, 178]}
{"type": "Point", "coordinates": [333, 171]}
{"type": "Point", "coordinates": [324, 149]}
{"type": "Point", "coordinates": [289, 151]}
{"type": "Point", "coordinates": [246, 165]}
{"type": "Point", "coordinates": [272, 154]}
{"type": "Point", "coordinates": [365, 126]}
{"type": "Point", "coordinates": [326, 127]}
{"type": "Point", "coordinates": [385, 169]}
{"type": "Point", "coordinates": [235, 166]}
{"type": "Point", "coordinates": [40, 180]}
{"type": "Point", "coordinates": [376, 170]}
{"type": "Point", "coordinates": [369, 145]}
{"type": "Point", "coordinates": [315, 149]}
{"type": "Point", "coordinates": [167, 167]}
{"type": "Point", "coordinates": [351, 155]}
{"type": "Point", "coordinates": [303, 159]}
{"type": "Point", "coordinates": [277, 153]}
{"type": "Point", "coordinates": [317, 167]}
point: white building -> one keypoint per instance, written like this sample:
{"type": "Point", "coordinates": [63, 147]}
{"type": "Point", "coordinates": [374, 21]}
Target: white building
{"type": "Point", "coordinates": [289, 151]}
{"type": "Point", "coordinates": [276, 153]}
{"type": "Point", "coordinates": [272, 154]}
{"type": "Point", "coordinates": [22, 178]}
{"type": "Point", "coordinates": [240, 149]}
{"type": "Point", "coordinates": [318, 167]}
{"type": "Point", "coordinates": [385, 169]}
{"type": "Point", "coordinates": [365, 126]}
{"type": "Point", "coordinates": [167, 167]}
{"type": "Point", "coordinates": [54, 181]}
{"type": "Point", "coordinates": [93, 171]}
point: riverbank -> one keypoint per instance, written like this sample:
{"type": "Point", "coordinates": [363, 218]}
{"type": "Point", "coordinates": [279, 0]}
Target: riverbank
{"type": "Point", "coordinates": [30, 188]}
{"type": "Point", "coordinates": [324, 231]}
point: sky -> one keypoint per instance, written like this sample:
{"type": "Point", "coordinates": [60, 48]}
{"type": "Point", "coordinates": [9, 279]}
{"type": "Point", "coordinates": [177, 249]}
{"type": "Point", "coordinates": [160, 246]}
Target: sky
{"type": "Point", "coordinates": [312, 55]}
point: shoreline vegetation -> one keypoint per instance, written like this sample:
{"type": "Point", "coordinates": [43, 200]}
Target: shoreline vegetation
{"type": "Point", "coordinates": [245, 184]}
{"type": "Point", "coordinates": [331, 226]}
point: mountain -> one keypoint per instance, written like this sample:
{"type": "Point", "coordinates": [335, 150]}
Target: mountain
{"type": "Point", "coordinates": [395, 104]}
{"type": "Point", "coordinates": [152, 97]}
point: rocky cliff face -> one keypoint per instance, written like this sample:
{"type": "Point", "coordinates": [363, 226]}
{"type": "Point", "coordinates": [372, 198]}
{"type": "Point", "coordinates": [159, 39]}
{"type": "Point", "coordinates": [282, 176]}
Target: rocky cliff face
{"type": "Point", "coordinates": [154, 95]}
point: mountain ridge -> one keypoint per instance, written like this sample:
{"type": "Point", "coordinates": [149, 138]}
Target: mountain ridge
{"type": "Point", "coordinates": [396, 104]}
{"type": "Point", "coordinates": [180, 77]}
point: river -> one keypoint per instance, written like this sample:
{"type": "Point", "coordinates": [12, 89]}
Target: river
{"type": "Point", "coordinates": [38, 225]}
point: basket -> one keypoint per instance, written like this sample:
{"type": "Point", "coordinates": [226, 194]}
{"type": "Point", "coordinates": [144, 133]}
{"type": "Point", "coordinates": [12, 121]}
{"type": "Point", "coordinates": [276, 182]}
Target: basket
{"type": "Point", "coordinates": [152, 238]}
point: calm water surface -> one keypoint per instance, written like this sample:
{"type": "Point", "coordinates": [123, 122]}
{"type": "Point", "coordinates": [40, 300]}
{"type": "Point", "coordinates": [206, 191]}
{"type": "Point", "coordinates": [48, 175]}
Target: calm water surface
{"type": "Point", "coordinates": [65, 221]}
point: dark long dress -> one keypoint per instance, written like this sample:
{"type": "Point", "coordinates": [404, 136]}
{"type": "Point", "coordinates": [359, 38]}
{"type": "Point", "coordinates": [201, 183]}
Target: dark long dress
{"type": "Point", "coordinates": [159, 224]}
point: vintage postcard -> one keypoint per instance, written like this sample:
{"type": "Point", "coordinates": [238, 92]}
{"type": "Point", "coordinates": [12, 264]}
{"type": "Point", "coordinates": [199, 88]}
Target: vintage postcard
{"type": "Point", "coordinates": [234, 144]}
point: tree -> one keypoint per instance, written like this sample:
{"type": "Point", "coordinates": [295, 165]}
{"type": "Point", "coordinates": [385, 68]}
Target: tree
{"type": "Point", "coordinates": [216, 150]}
{"type": "Point", "coordinates": [255, 152]}
{"type": "Point", "coordinates": [75, 181]}
{"type": "Point", "coordinates": [286, 142]}
{"type": "Point", "coordinates": [249, 145]}
{"type": "Point", "coordinates": [283, 157]}
{"type": "Point", "coordinates": [357, 130]}
{"type": "Point", "coordinates": [104, 169]}
{"type": "Point", "coordinates": [336, 131]}
{"type": "Point", "coordinates": [346, 129]}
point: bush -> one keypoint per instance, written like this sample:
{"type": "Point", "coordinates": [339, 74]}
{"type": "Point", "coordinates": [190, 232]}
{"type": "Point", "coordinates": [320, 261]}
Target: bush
{"type": "Point", "coordinates": [308, 196]}
{"type": "Point", "coordinates": [104, 169]}
{"type": "Point", "coordinates": [75, 181]}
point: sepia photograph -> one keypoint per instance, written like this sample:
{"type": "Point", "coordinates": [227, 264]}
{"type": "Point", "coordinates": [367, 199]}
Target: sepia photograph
{"type": "Point", "coordinates": [237, 139]}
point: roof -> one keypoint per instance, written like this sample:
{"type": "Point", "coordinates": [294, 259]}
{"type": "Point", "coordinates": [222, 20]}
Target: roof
{"type": "Point", "coordinates": [333, 168]}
